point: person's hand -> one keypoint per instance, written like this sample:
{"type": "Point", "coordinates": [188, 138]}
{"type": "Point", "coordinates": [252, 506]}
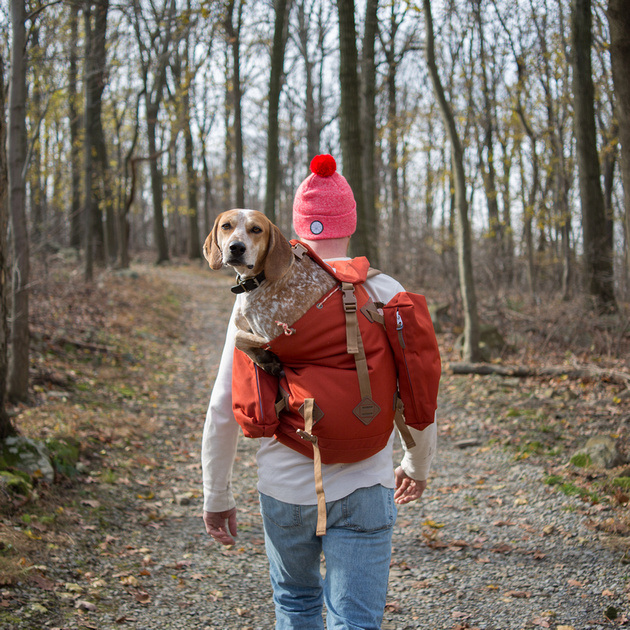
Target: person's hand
{"type": "Point", "coordinates": [407, 489]}
{"type": "Point", "coordinates": [218, 524]}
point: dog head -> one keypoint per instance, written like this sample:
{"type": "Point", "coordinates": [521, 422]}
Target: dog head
{"type": "Point", "coordinates": [248, 241]}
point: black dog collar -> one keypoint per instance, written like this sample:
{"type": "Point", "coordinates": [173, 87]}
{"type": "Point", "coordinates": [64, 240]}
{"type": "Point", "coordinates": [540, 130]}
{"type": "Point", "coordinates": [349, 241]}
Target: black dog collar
{"type": "Point", "coordinates": [248, 284]}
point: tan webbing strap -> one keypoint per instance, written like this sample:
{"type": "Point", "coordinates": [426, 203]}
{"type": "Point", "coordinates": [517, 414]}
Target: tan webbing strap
{"type": "Point", "coordinates": [362, 368]}
{"type": "Point", "coordinates": [306, 434]}
{"type": "Point", "coordinates": [353, 339]}
{"type": "Point", "coordinates": [402, 427]}
{"type": "Point", "coordinates": [352, 321]}
{"type": "Point", "coordinates": [367, 409]}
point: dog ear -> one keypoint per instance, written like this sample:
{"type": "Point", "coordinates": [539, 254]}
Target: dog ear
{"type": "Point", "coordinates": [279, 255]}
{"type": "Point", "coordinates": [211, 250]}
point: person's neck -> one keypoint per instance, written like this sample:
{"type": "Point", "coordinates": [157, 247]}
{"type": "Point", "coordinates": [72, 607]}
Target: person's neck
{"type": "Point", "coordinates": [330, 247]}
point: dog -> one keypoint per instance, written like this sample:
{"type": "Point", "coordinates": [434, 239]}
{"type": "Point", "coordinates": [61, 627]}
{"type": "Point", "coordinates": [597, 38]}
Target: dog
{"type": "Point", "coordinates": [274, 286]}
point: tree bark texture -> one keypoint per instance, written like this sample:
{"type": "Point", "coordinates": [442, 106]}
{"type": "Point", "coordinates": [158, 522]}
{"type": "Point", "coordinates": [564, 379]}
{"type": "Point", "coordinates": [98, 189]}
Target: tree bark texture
{"type": "Point", "coordinates": [282, 9]}
{"type": "Point", "coordinates": [75, 127]}
{"type": "Point", "coordinates": [155, 62]}
{"type": "Point", "coordinates": [598, 259]}
{"type": "Point", "coordinates": [395, 220]}
{"type": "Point", "coordinates": [234, 35]}
{"type": "Point", "coordinates": [350, 119]}
{"type": "Point", "coordinates": [97, 241]}
{"type": "Point", "coordinates": [6, 426]}
{"type": "Point", "coordinates": [157, 185]}
{"type": "Point", "coordinates": [619, 24]}
{"type": "Point", "coordinates": [486, 158]}
{"type": "Point", "coordinates": [313, 113]}
{"type": "Point", "coordinates": [368, 125]}
{"type": "Point", "coordinates": [464, 238]}
{"type": "Point", "coordinates": [19, 345]}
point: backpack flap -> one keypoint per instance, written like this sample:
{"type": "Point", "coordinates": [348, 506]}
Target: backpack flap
{"type": "Point", "coordinates": [254, 395]}
{"type": "Point", "coordinates": [412, 339]}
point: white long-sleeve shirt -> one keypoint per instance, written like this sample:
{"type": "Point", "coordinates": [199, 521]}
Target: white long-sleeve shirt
{"type": "Point", "coordinates": [283, 473]}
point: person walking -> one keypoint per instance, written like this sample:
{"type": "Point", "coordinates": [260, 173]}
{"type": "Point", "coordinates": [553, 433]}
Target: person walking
{"type": "Point", "coordinates": [361, 497]}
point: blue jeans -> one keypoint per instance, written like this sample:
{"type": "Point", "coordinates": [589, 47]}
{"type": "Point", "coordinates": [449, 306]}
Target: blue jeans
{"type": "Point", "coordinates": [357, 548]}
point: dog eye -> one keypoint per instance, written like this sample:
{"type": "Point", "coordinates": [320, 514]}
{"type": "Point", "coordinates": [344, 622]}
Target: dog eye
{"type": "Point", "coordinates": [226, 226]}
{"type": "Point", "coordinates": [256, 230]}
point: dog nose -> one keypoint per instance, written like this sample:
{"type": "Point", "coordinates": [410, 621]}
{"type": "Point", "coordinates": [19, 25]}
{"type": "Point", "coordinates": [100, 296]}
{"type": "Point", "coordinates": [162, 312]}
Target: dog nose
{"type": "Point", "coordinates": [237, 248]}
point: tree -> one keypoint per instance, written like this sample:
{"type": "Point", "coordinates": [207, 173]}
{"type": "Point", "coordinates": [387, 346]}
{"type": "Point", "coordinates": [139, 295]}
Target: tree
{"type": "Point", "coordinates": [486, 145]}
{"type": "Point", "coordinates": [350, 119]}
{"type": "Point", "coordinates": [394, 52]}
{"type": "Point", "coordinates": [154, 56]}
{"type": "Point", "coordinates": [368, 125]}
{"type": "Point", "coordinates": [96, 192]}
{"type": "Point", "coordinates": [19, 345]}
{"type": "Point", "coordinates": [619, 23]}
{"type": "Point", "coordinates": [598, 259]}
{"type": "Point", "coordinates": [6, 427]}
{"type": "Point", "coordinates": [464, 238]}
{"type": "Point", "coordinates": [555, 85]}
{"type": "Point", "coordinates": [184, 71]}
{"type": "Point", "coordinates": [75, 125]}
{"type": "Point", "coordinates": [282, 10]}
{"type": "Point", "coordinates": [233, 31]}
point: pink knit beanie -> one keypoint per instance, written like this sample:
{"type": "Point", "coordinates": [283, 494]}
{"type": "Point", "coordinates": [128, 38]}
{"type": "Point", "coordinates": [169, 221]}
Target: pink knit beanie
{"type": "Point", "coordinates": [324, 206]}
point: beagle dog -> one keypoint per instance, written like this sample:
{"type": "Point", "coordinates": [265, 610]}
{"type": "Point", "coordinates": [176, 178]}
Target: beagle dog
{"type": "Point", "coordinates": [274, 287]}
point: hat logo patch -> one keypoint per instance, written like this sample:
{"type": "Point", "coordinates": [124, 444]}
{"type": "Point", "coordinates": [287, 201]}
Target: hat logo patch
{"type": "Point", "coordinates": [317, 227]}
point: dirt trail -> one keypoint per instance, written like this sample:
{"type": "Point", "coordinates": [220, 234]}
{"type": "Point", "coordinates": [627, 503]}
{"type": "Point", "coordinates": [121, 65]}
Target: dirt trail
{"type": "Point", "coordinates": [490, 545]}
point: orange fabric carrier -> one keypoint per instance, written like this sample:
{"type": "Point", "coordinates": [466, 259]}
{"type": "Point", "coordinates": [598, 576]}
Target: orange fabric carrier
{"type": "Point", "coordinates": [345, 362]}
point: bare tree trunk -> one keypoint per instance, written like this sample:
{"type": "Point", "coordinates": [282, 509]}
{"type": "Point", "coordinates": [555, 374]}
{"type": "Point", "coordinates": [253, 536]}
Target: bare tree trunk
{"type": "Point", "coordinates": [282, 9]}
{"type": "Point", "coordinates": [598, 259]}
{"type": "Point", "coordinates": [395, 223]}
{"type": "Point", "coordinates": [19, 348]}
{"type": "Point", "coordinates": [228, 106]}
{"type": "Point", "coordinates": [313, 105]}
{"type": "Point", "coordinates": [75, 126]}
{"type": "Point", "coordinates": [96, 196]}
{"type": "Point", "coordinates": [208, 202]}
{"type": "Point", "coordinates": [184, 85]}
{"type": "Point", "coordinates": [312, 109]}
{"type": "Point", "coordinates": [486, 160]}
{"type": "Point", "coordinates": [619, 24]}
{"type": "Point", "coordinates": [130, 179]}
{"type": "Point", "coordinates": [368, 124]}
{"type": "Point", "coordinates": [464, 238]}
{"type": "Point", "coordinates": [37, 188]}
{"type": "Point", "coordinates": [154, 63]}
{"type": "Point", "coordinates": [105, 206]}
{"type": "Point", "coordinates": [6, 426]}
{"type": "Point", "coordinates": [350, 119]}
{"type": "Point", "coordinates": [157, 185]}
{"type": "Point", "coordinates": [234, 35]}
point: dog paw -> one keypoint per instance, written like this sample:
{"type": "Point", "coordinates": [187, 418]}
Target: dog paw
{"type": "Point", "coordinates": [272, 366]}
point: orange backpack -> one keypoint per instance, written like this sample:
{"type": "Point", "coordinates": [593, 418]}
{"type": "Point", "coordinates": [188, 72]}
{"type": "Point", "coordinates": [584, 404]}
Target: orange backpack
{"type": "Point", "coordinates": [350, 369]}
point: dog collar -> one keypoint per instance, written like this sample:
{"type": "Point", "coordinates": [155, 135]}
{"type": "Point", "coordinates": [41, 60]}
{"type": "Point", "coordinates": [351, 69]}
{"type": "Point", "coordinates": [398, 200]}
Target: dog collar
{"type": "Point", "coordinates": [248, 284]}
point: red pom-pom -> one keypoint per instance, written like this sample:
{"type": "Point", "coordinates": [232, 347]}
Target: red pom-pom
{"type": "Point", "coordinates": [323, 165]}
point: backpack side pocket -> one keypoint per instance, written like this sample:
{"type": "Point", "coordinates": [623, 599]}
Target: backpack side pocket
{"type": "Point", "coordinates": [413, 342]}
{"type": "Point", "coordinates": [254, 394]}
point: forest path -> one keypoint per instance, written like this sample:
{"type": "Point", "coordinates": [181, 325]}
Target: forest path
{"type": "Point", "coordinates": [489, 546]}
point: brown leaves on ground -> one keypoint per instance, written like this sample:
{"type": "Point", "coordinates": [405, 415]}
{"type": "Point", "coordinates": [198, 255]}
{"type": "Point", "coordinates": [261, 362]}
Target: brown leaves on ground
{"type": "Point", "coordinates": [101, 358]}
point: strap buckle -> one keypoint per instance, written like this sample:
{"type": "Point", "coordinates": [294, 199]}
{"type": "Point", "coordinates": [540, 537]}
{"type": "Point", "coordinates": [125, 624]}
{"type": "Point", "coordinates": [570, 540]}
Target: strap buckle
{"type": "Point", "coordinates": [349, 298]}
{"type": "Point", "coordinates": [309, 437]}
